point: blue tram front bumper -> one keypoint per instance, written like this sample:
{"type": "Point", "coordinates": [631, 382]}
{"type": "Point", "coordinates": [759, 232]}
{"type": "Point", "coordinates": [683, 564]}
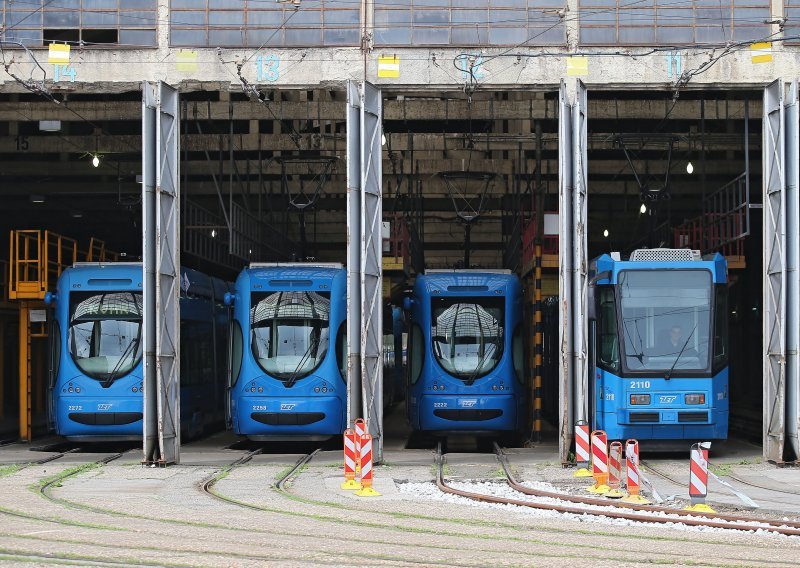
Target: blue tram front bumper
{"type": "Point", "coordinates": [288, 418]}
{"type": "Point", "coordinates": [467, 413]}
{"type": "Point", "coordinates": [117, 418]}
{"type": "Point", "coordinates": [661, 424]}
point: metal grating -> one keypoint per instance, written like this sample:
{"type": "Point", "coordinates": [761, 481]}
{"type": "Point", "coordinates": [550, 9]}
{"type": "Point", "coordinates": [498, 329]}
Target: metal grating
{"type": "Point", "coordinates": [665, 255]}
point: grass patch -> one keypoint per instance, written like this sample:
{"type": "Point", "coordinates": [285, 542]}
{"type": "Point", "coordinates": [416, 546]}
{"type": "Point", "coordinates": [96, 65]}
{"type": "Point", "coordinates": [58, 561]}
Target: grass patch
{"type": "Point", "coordinates": [720, 470]}
{"type": "Point", "coordinates": [7, 470]}
{"type": "Point", "coordinates": [56, 479]}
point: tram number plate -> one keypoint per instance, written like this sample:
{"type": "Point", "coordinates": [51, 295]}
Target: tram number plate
{"type": "Point", "coordinates": [440, 405]}
{"type": "Point", "coordinates": [76, 408]}
{"type": "Point", "coordinates": [639, 384]}
{"type": "Point", "coordinates": [257, 407]}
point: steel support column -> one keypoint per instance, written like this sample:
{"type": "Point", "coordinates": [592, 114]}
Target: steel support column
{"type": "Point", "coordinates": [353, 252]}
{"type": "Point", "coordinates": [565, 318]}
{"type": "Point", "coordinates": [161, 255]}
{"type": "Point", "coordinates": [792, 137]}
{"type": "Point", "coordinates": [774, 301]}
{"type": "Point", "coordinates": [364, 259]}
{"type": "Point", "coordinates": [580, 259]}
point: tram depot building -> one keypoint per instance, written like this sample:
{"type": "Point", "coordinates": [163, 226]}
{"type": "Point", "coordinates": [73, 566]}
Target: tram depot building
{"type": "Point", "coordinates": [400, 137]}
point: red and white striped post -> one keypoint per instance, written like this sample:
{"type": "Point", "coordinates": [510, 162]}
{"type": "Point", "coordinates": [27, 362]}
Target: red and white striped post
{"type": "Point", "coordinates": [632, 481]}
{"type": "Point", "coordinates": [351, 458]}
{"type": "Point", "coordinates": [360, 427]}
{"type": "Point", "coordinates": [366, 468]}
{"type": "Point", "coordinates": [582, 449]}
{"type": "Point", "coordinates": [698, 477]}
{"type": "Point", "coordinates": [615, 470]}
{"type": "Point", "coordinates": [599, 442]}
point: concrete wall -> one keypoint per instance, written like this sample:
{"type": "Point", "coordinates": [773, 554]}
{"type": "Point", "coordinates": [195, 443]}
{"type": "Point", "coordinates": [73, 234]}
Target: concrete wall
{"type": "Point", "coordinates": [105, 70]}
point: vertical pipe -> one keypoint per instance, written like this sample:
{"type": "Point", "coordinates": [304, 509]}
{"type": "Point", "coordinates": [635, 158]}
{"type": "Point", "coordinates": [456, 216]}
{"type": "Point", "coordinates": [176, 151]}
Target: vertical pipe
{"type": "Point", "coordinates": [703, 237]}
{"type": "Point", "coordinates": [746, 228]}
{"type": "Point", "coordinates": [2, 369]}
{"type": "Point", "coordinates": [538, 328]}
{"type": "Point", "coordinates": [24, 372]}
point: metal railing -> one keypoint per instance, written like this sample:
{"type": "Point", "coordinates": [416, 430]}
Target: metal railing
{"type": "Point", "coordinates": [37, 259]}
{"type": "Point", "coordinates": [206, 236]}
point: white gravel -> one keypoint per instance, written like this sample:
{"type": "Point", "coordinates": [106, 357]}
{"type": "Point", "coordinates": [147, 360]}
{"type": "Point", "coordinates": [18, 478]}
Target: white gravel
{"type": "Point", "coordinates": [430, 491]}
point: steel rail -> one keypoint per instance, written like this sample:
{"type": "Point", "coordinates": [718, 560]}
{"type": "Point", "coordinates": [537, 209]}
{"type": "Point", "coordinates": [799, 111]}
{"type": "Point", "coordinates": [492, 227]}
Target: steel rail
{"type": "Point", "coordinates": [514, 484]}
{"type": "Point", "coordinates": [280, 485]}
{"type": "Point", "coordinates": [43, 489]}
{"type": "Point", "coordinates": [621, 514]}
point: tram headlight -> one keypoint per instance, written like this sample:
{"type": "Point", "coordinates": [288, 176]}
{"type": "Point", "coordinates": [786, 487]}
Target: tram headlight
{"type": "Point", "coordinates": [640, 399]}
{"type": "Point", "coordinates": [695, 398]}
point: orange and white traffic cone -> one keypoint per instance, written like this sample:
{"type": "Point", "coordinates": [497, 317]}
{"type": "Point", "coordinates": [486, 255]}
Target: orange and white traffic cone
{"type": "Point", "coordinates": [698, 478]}
{"type": "Point", "coordinates": [633, 483]}
{"type": "Point", "coordinates": [350, 460]}
{"type": "Point", "coordinates": [582, 449]}
{"type": "Point", "coordinates": [615, 470]}
{"type": "Point", "coordinates": [599, 442]}
{"type": "Point", "coordinates": [366, 468]}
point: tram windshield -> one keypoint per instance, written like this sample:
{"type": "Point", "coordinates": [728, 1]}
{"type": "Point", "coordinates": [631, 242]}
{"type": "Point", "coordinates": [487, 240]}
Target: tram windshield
{"type": "Point", "coordinates": [289, 335]}
{"type": "Point", "coordinates": [666, 318]}
{"type": "Point", "coordinates": [467, 335]}
{"type": "Point", "coordinates": [105, 333]}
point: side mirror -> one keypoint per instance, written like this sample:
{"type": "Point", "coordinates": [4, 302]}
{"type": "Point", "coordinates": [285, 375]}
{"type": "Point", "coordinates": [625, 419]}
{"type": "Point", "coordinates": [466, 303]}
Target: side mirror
{"type": "Point", "coordinates": [50, 298]}
{"type": "Point", "coordinates": [591, 303]}
{"type": "Point", "coordinates": [408, 303]}
{"type": "Point", "coordinates": [229, 299]}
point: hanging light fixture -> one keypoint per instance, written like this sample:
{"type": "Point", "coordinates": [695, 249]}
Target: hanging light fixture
{"type": "Point", "coordinates": [605, 233]}
{"type": "Point", "coordinates": [643, 209]}
{"type": "Point", "coordinates": [689, 167]}
{"type": "Point", "coordinates": [96, 161]}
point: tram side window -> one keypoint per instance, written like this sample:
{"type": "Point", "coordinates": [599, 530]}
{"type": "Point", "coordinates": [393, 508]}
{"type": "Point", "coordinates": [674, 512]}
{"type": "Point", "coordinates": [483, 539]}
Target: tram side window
{"type": "Point", "coordinates": [415, 354]}
{"type": "Point", "coordinates": [237, 342]}
{"type": "Point", "coordinates": [608, 348]}
{"type": "Point", "coordinates": [196, 353]}
{"type": "Point", "coordinates": [518, 352]}
{"type": "Point", "coordinates": [341, 350]}
{"type": "Point", "coordinates": [56, 347]}
{"type": "Point", "coordinates": [721, 329]}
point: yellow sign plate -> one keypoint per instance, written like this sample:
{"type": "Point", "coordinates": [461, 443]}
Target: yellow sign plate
{"type": "Point", "coordinates": [577, 66]}
{"type": "Point", "coordinates": [761, 52]}
{"type": "Point", "coordinates": [58, 54]}
{"type": "Point", "coordinates": [388, 66]}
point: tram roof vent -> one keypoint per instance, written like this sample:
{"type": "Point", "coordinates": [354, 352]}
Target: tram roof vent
{"type": "Point", "coordinates": [467, 271]}
{"type": "Point", "coordinates": [665, 255]}
{"type": "Point", "coordinates": [105, 263]}
{"type": "Point", "coordinates": [296, 265]}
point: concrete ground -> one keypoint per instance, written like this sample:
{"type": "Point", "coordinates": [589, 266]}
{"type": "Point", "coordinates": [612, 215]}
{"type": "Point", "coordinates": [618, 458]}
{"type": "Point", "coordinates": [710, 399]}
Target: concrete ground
{"type": "Point", "coordinates": [73, 511]}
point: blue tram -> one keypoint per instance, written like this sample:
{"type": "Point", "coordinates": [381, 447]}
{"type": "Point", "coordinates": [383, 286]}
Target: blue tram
{"type": "Point", "coordinates": [465, 353]}
{"type": "Point", "coordinates": [660, 342]}
{"type": "Point", "coordinates": [288, 352]}
{"type": "Point", "coordinates": [96, 369]}
{"type": "Point", "coordinates": [393, 378]}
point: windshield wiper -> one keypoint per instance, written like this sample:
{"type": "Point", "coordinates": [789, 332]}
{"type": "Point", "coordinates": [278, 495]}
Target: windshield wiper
{"type": "Point", "coordinates": [133, 345]}
{"type": "Point", "coordinates": [474, 375]}
{"type": "Point", "coordinates": [296, 373]}
{"type": "Point", "coordinates": [669, 373]}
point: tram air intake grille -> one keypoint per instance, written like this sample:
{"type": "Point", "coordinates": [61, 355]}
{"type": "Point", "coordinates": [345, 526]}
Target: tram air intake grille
{"type": "Point", "coordinates": [644, 417]}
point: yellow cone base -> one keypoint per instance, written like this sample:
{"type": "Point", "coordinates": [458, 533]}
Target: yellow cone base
{"type": "Point", "coordinates": [367, 491]}
{"type": "Point", "coordinates": [615, 494]}
{"type": "Point", "coordinates": [635, 500]}
{"type": "Point", "coordinates": [699, 508]}
{"type": "Point", "coordinates": [601, 489]}
{"type": "Point", "coordinates": [582, 472]}
{"type": "Point", "coordinates": [351, 484]}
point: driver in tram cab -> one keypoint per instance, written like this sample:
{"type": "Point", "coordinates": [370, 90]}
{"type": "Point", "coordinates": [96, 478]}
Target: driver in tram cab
{"type": "Point", "coordinates": [675, 341]}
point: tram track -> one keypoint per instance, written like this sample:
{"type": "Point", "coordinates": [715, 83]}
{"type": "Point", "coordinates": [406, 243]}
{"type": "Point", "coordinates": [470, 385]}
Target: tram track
{"type": "Point", "coordinates": [623, 511]}
{"type": "Point", "coordinates": [676, 482]}
{"type": "Point", "coordinates": [597, 552]}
